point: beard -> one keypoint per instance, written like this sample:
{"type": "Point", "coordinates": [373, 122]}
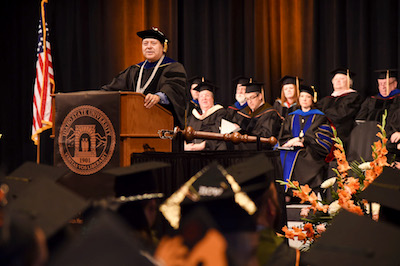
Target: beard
{"type": "Point", "coordinates": [240, 98]}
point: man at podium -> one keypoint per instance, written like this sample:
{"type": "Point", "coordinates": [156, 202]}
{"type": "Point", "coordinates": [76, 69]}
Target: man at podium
{"type": "Point", "coordinates": [160, 78]}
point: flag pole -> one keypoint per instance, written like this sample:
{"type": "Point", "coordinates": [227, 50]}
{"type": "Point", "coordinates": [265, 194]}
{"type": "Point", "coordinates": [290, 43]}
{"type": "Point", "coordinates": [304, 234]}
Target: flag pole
{"type": "Point", "coordinates": [38, 149]}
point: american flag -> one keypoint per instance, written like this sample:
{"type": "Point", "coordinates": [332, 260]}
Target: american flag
{"type": "Point", "coordinates": [44, 81]}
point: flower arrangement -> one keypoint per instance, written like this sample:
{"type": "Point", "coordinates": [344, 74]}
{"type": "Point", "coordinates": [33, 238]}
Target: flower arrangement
{"type": "Point", "coordinates": [351, 179]}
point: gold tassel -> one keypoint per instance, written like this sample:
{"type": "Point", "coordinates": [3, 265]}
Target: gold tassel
{"type": "Point", "coordinates": [315, 94]}
{"type": "Point", "coordinates": [165, 46]}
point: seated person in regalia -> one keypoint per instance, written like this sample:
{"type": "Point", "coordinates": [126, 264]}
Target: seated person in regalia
{"type": "Point", "coordinates": [208, 119]}
{"type": "Point", "coordinates": [258, 118]}
{"type": "Point", "coordinates": [305, 142]}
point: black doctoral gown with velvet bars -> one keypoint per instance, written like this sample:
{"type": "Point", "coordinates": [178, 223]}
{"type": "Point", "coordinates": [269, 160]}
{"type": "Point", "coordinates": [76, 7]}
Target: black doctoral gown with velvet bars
{"type": "Point", "coordinates": [170, 79]}
{"type": "Point", "coordinates": [342, 111]}
{"type": "Point", "coordinates": [210, 121]}
{"type": "Point", "coordinates": [263, 122]}
{"type": "Point", "coordinates": [307, 164]}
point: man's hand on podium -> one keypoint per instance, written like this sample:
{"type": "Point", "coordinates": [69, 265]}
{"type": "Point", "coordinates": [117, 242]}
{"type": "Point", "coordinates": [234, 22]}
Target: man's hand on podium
{"type": "Point", "coordinates": [150, 100]}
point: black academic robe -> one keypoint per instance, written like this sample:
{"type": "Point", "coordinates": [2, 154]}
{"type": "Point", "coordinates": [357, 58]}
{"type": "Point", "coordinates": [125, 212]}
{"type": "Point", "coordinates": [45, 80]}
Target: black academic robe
{"type": "Point", "coordinates": [232, 110]}
{"type": "Point", "coordinates": [190, 105]}
{"type": "Point", "coordinates": [283, 110]}
{"type": "Point", "coordinates": [374, 107]}
{"type": "Point", "coordinates": [210, 121]}
{"type": "Point", "coordinates": [306, 164]}
{"type": "Point", "coordinates": [342, 112]}
{"type": "Point", "coordinates": [263, 122]}
{"type": "Point", "coordinates": [169, 79]}
{"type": "Point", "coordinates": [392, 127]}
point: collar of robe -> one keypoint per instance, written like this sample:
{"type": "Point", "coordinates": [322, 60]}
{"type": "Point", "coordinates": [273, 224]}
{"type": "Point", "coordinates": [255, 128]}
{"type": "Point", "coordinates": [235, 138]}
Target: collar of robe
{"type": "Point", "coordinates": [392, 93]}
{"type": "Point", "coordinates": [139, 81]}
{"type": "Point", "coordinates": [340, 93]}
{"type": "Point", "coordinates": [207, 113]}
{"type": "Point", "coordinates": [311, 112]}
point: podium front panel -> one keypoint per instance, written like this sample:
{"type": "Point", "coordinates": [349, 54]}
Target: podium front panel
{"type": "Point", "coordinates": [87, 131]}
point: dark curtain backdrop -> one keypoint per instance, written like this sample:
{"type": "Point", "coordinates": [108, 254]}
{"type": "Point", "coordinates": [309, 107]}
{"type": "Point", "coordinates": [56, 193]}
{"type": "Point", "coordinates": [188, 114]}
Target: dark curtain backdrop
{"type": "Point", "coordinates": [93, 40]}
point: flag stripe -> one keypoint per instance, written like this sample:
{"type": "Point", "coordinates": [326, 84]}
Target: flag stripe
{"type": "Point", "coordinates": [44, 82]}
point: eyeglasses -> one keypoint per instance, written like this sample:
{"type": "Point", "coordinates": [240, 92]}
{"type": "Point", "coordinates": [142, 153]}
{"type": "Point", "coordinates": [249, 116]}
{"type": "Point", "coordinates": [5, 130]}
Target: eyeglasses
{"type": "Point", "coordinates": [251, 98]}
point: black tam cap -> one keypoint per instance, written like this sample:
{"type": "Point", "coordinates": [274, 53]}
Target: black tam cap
{"type": "Point", "coordinates": [153, 33]}
{"type": "Point", "coordinates": [352, 239]}
{"type": "Point", "coordinates": [342, 70]}
{"type": "Point", "coordinates": [382, 74]}
{"type": "Point", "coordinates": [241, 80]}
{"type": "Point", "coordinates": [310, 90]}
{"type": "Point", "coordinates": [137, 179]}
{"type": "Point", "coordinates": [206, 86]}
{"type": "Point", "coordinates": [289, 80]}
{"type": "Point", "coordinates": [253, 87]}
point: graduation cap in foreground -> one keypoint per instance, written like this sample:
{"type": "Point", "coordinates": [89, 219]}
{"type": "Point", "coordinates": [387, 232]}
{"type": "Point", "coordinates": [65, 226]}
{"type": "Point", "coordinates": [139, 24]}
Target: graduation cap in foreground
{"type": "Point", "coordinates": [253, 87]}
{"type": "Point", "coordinates": [137, 179]}
{"type": "Point", "coordinates": [355, 240]}
{"type": "Point", "coordinates": [211, 184]}
{"type": "Point", "coordinates": [384, 73]}
{"type": "Point", "coordinates": [107, 241]}
{"type": "Point", "coordinates": [27, 174]}
{"type": "Point", "coordinates": [256, 170]}
{"type": "Point", "coordinates": [342, 70]}
{"type": "Point", "coordinates": [48, 204]}
{"type": "Point", "coordinates": [385, 190]}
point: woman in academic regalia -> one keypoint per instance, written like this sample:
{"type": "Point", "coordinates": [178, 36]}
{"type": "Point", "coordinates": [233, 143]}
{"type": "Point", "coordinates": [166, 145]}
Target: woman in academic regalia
{"type": "Point", "coordinates": [289, 100]}
{"type": "Point", "coordinates": [305, 142]}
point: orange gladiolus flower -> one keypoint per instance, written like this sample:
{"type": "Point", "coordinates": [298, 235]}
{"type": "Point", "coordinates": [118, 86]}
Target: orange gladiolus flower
{"type": "Point", "coordinates": [353, 184]}
{"type": "Point", "coordinates": [309, 230]}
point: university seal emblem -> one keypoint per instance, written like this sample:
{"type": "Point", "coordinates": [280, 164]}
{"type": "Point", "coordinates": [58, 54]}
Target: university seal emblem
{"type": "Point", "coordinates": [86, 140]}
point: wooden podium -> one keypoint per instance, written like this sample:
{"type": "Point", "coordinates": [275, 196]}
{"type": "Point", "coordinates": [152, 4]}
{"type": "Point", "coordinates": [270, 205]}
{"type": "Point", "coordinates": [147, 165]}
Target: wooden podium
{"type": "Point", "coordinates": [97, 129]}
{"type": "Point", "coordinates": [139, 127]}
